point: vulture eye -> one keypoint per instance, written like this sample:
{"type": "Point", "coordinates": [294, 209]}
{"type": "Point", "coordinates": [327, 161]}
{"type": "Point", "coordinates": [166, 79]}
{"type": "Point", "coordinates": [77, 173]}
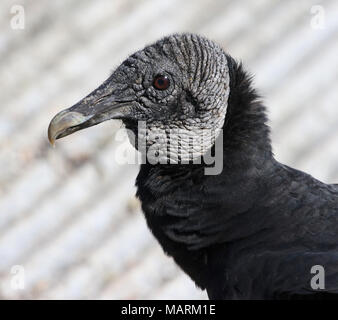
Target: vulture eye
{"type": "Point", "coordinates": [161, 82]}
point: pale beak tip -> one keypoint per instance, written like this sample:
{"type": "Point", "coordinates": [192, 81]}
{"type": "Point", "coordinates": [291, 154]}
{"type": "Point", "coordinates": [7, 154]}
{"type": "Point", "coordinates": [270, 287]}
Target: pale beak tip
{"type": "Point", "coordinates": [51, 137]}
{"type": "Point", "coordinates": [62, 121]}
{"type": "Point", "coordinates": [52, 143]}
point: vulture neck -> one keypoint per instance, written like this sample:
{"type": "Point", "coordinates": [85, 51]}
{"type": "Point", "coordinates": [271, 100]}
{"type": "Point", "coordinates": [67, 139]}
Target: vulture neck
{"type": "Point", "coordinates": [245, 130]}
{"type": "Point", "coordinates": [171, 194]}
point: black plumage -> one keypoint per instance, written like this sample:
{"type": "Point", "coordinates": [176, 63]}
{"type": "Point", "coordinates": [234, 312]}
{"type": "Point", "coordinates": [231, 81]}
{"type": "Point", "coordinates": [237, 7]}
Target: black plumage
{"type": "Point", "coordinates": [255, 230]}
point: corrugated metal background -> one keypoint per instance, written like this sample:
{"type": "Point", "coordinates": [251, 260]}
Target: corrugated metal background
{"type": "Point", "coordinates": [67, 215]}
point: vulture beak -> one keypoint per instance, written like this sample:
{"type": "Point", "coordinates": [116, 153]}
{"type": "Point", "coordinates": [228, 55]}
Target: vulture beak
{"type": "Point", "coordinates": [97, 107]}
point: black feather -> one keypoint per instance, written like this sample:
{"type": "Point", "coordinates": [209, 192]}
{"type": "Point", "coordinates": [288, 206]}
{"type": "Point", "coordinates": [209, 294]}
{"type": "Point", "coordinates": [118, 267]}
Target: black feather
{"type": "Point", "coordinates": [255, 230]}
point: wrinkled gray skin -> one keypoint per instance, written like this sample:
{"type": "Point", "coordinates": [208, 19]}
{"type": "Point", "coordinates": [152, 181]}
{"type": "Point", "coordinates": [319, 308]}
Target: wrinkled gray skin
{"type": "Point", "coordinates": [195, 102]}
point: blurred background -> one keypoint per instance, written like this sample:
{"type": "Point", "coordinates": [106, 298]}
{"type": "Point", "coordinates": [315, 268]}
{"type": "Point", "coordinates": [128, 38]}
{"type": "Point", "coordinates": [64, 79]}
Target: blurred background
{"type": "Point", "coordinates": [70, 226]}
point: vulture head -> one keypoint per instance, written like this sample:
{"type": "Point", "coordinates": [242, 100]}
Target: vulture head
{"type": "Point", "coordinates": [177, 88]}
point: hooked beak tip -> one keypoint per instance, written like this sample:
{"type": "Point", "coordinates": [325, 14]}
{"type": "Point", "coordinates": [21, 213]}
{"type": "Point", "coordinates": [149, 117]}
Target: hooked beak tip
{"type": "Point", "coordinates": [62, 121]}
{"type": "Point", "coordinates": [51, 136]}
{"type": "Point", "coordinates": [52, 142]}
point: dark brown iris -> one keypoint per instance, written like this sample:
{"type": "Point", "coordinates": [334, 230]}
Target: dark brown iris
{"type": "Point", "coordinates": [161, 82]}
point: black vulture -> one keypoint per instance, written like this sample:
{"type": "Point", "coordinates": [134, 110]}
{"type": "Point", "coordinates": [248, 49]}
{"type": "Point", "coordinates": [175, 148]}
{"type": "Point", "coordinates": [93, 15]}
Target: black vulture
{"type": "Point", "coordinates": [257, 229]}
